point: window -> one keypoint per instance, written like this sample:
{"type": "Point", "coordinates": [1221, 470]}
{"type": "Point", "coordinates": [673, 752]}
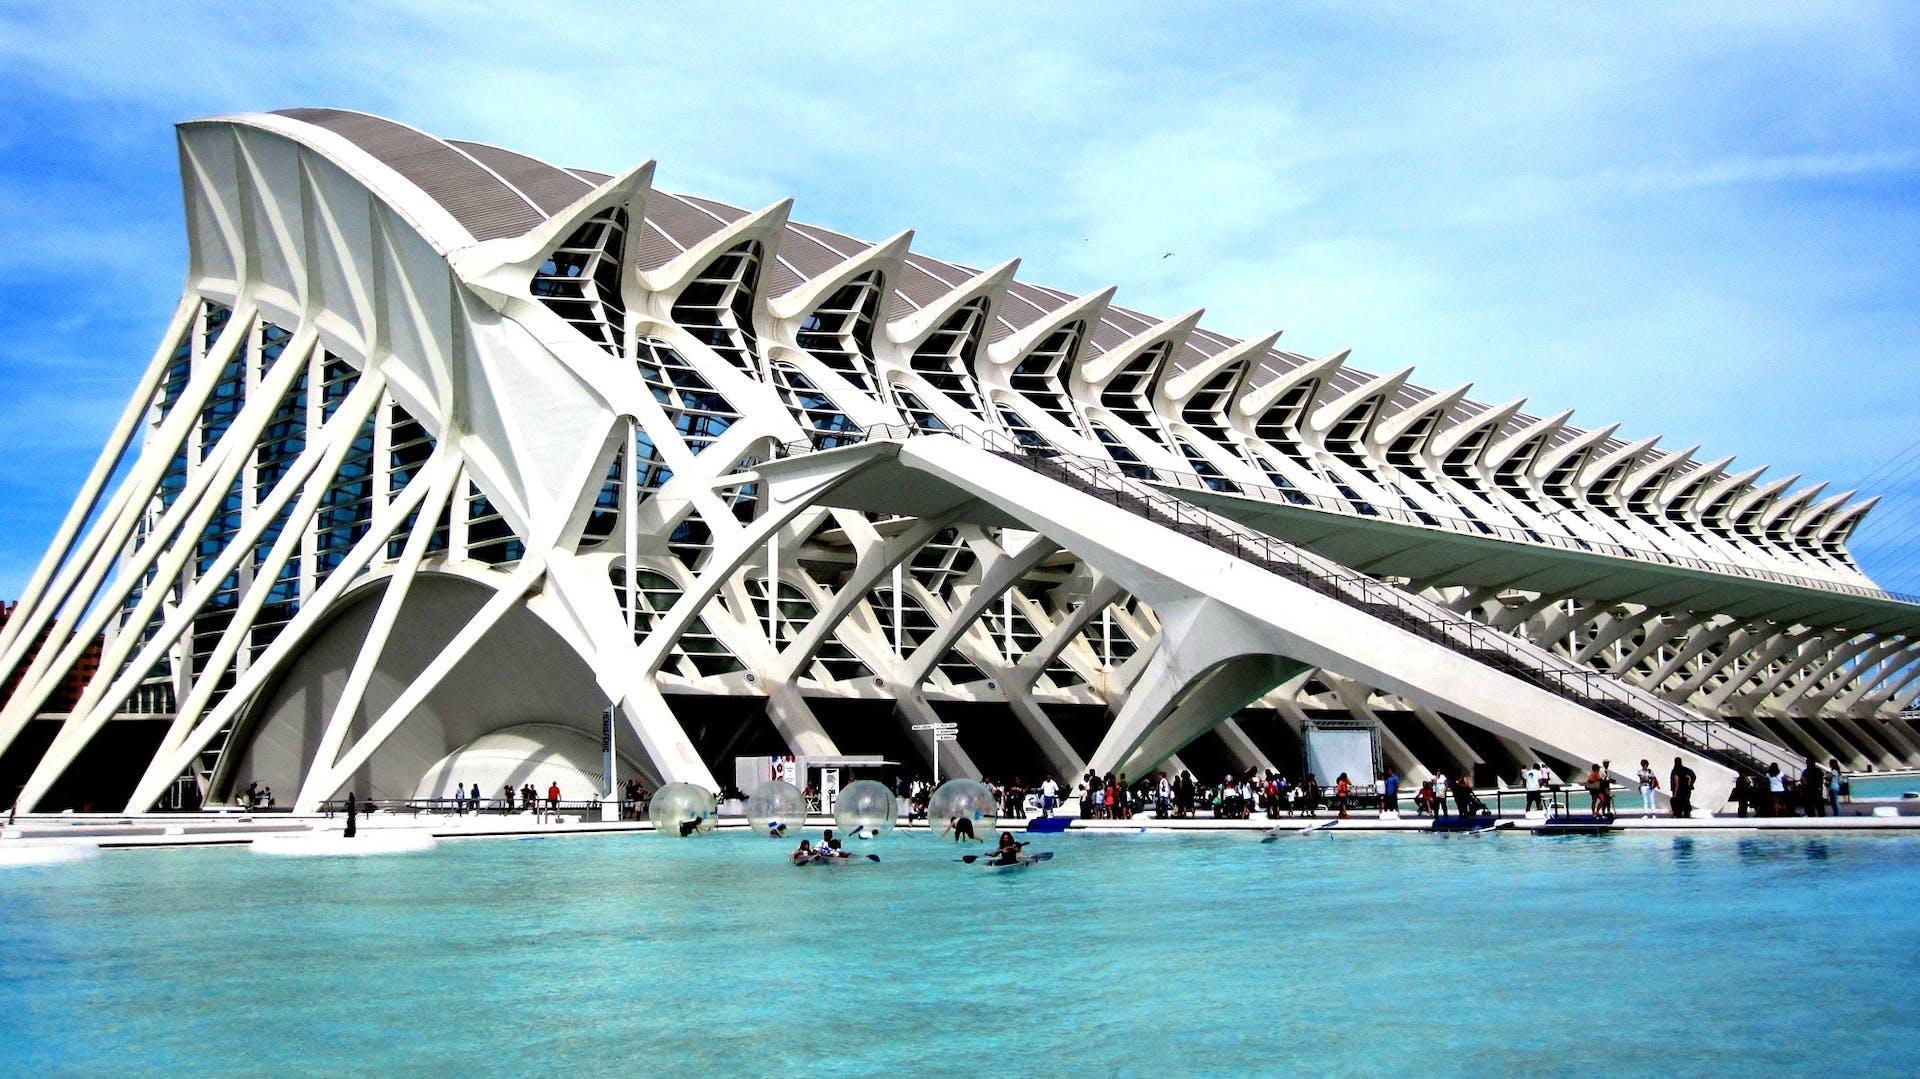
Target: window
{"type": "Point", "coordinates": [918, 413]}
{"type": "Point", "coordinates": [1125, 394]}
{"type": "Point", "coordinates": [1129, 462]}
{"type": "Point", "coordinates": [1022, 430]}
{"type": "Point", "coordinates": [490, 538]}
{"type": "Point", "coordinates": [346, 509]}
{"type": "Point", "coordinates": [1205, 469]}
{"type": "Point", "coordinates": [1206, 410]}
{"type": "Point", "coordinates": [580, 280]}
{"type": "Point", "coordinates": [1038, 375]}
{"type": "Point", "coordinates": [839, 333]}
{"type": "Point", "coordinates": [716, 307]}
{"type": "Point", "coordinates": [224, 402]}
{"type": "Point", "coordinates": [1279, 426]}
{"type": "Point", "coordinates": [697, 410]}
{"type": "Point", "coordinates": [283, 439]}
{"type": "Point", "coordinates": [944, 559]}
{"type": "Point", "coordinates": [945, 359]}
{"type": "Point", "coordinates": [813, 408]}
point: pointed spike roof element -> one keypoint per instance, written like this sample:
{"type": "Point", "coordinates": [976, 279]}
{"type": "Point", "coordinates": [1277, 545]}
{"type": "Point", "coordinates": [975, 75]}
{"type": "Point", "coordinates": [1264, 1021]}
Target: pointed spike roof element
{"type": "Point", "coordinates": [1325, 416]}
{"type": "Point", "coordinates": [498, 269]}
{"type": "Point", "coordinates": [1541, 429]}
{"type": "Point", "coordinates": [766, 226]}
{"type": "Point", "coordinates": [1257, 400]}
{"type": "Point", "coordinates": [1015, 346]}
{"type": "Point", "coordinates": [885, 256]}
{"type": "Point", "coordinates": [1182, 386]}
{"type": "Point", "coordinates": [1441, 401]}
{"type": "Point", "coordinates": [1447, 439]}
{"type": "Point", "coordinates": [1173, 331]}
{"type": "Point", "coordinates": [909, 330]}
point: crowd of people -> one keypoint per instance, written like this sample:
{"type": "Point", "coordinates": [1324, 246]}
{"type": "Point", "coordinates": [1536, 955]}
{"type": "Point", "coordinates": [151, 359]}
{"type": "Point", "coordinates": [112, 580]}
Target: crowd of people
{"type": "Point", "coordinates": [1815, 792]}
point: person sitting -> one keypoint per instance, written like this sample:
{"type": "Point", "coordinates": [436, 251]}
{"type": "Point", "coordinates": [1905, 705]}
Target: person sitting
{"type": "Point", "coordinates": [805, 855]}
{"type": "Point", "coordinates": [777, 830]}
{"type": "Point", "coordinates": [1007, 852]}
{"type": "Point", "coordinates": [829, 846]}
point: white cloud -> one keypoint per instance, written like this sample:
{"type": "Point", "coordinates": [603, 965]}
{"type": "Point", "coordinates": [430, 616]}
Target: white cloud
{"type": "Point", "coordinates": [1693, 219]}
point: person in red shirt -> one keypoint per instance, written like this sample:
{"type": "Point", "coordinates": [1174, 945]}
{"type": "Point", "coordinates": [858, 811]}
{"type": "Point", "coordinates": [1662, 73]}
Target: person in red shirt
{"type": "Point", "coordinates": [1340, 792]}
{"type": "Point", "coordinates": [553, 796]}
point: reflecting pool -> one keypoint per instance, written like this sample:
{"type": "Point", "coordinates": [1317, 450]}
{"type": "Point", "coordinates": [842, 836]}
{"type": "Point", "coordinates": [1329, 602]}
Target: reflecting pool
{"type": "Point", "coordinates": [1195, 954]}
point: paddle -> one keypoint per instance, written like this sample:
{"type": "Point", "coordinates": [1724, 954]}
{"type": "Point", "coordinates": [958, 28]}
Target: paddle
{"type": "Point", "coordinates": [1275, 833]}
{"type": "Point", "coordinates": [1037, 856]}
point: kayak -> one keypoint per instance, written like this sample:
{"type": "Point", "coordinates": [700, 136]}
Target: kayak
{"type": "Point", "coordinates": [840, 863]}
{"type": "Point", "coordinates": [1023, 863]}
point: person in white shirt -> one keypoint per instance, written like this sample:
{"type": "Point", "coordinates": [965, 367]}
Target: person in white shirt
{"type": "Point", "coordinates": [1439, 794]}
{"type": "Point", "coordinates": [1648, 784]}
{"type": "Point", "coordinates": [1049, 793]}
{"type": "Point", "coordinates": [1531, 778]}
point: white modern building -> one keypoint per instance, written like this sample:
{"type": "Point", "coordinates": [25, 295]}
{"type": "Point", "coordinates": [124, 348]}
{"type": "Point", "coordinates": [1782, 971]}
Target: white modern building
{"type": "Point", "coordinates": [447, 450]}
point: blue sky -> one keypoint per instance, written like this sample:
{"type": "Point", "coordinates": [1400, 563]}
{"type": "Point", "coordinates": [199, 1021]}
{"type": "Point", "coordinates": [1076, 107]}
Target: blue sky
{"type": "Point", "coordinates": [1698, 220]}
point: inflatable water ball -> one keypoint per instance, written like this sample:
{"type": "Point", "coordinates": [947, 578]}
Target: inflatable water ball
{"type": "Point", "coordinates": [968, 799]}
{"type": "Point", "coordinates": [866, 808]}
{"type": "Point", "coordinates": [776, 804]}
{"type": "Point", "coordinates": [680, 809]}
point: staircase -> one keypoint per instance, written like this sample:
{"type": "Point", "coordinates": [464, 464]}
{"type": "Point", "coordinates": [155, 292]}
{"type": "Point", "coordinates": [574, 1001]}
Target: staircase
{"type": "Point", "coordinates": [1593, 690]}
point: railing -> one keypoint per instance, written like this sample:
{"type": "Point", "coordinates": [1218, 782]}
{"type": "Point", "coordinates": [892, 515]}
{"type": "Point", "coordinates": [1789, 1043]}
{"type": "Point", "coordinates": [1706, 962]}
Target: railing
{"type": "Point", "coordinates": [1412, 518]}
{"type": "Point", "coordinates": [1593, 690]}
{"type": "Point", "coordinates": [496, 806]}
{"type": "Point", "coordinates": [1416, 518]}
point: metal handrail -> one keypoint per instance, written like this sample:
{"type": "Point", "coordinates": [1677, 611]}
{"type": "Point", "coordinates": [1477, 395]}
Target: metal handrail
{"type": "Point", "coordinates": [1412, 518]}
{"type": "Point", "coordinates": [1539, 666]}
{"type": "Point", "coordinates": [1473, 526]}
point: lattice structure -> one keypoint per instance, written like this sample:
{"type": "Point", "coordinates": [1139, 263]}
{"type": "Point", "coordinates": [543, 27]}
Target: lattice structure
{"type": "Point", "coordinates": [443, 440]}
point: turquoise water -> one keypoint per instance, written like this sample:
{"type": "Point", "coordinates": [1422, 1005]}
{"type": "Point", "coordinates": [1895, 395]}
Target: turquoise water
{"type": "Point", "coordinates": [1124, 955]}
{"type": "Point", "coordinates": [1882, 786]}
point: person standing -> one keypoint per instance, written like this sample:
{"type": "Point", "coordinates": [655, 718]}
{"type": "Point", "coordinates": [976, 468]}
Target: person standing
{"type": "Point", "coordinates": [1776, 792]}
{"type": "Point", "coordinates": [1390, 793]}
{"type": "Point", "coordinates": [1680, 788]}
{"type": "Point", "coordinates": [1049, 793]}
{"type": "Point", "coordinates": [1648, 784]}
{"type": "Point", "coordinates": [1813, 789]}
{"type": "Point", "coordinates": [1530, 778]}
{"type": "Point", "coordinates": [1439, 794]}
{"type": "Point", "coordinates": [353, 816]}
{"type": "Point", "coordinates": [553, 796]}
{"type": "Point", "coordinates": [1596, 785]}
{"type": "Point", "coordinates": [1833, 785]}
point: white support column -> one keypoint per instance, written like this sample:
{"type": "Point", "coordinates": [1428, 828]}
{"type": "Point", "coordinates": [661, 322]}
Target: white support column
{"type": "Point", "coordinates": [438, 474]}
{"type": "Point", "coordinates": [102, 697]}
{"type": "Point", "coordinates": [335, 440]}
{"type": "Point", "coordinates": [76, 583]}
{"type": "Point", "coordinates": [318, 606]}
{"type": "Point", "coordinates": [119, 440]}
{"type": "Point", "coordinates": [197, 505]}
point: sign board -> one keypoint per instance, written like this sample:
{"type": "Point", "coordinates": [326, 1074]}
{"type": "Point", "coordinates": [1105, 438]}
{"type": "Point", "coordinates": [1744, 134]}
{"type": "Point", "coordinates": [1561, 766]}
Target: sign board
{"type": "Point", "coordinates": [946, 738]}
{"type": "Point", "coordinates": [607, 771]}
{"type": "Point", "coordinates": [829, 788]}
